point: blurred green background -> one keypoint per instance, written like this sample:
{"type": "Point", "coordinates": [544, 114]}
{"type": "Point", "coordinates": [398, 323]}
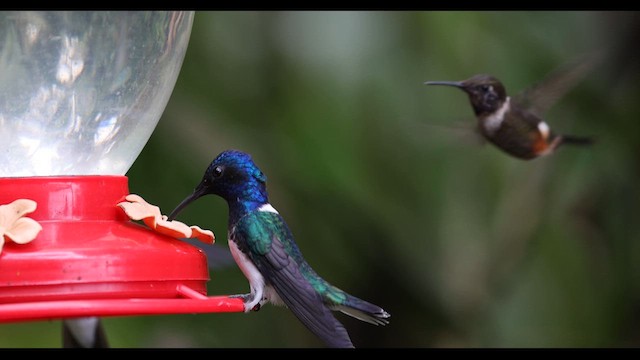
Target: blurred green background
{"type": "Point", "coordinates": [389, 196]}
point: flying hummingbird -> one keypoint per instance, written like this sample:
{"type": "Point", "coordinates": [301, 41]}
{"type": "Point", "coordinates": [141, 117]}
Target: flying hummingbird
{"type": "Point", "coordinates": [266, 253]}
{"type": "Point", "coordinates": [516, 125]}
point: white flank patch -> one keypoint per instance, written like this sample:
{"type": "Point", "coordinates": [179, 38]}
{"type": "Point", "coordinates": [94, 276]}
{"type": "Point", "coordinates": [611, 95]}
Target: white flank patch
{"type": "Point", "coordinates": [492, 123]}
{"type": "Point", "coordinates": [268, 207]}
{"type": "Point", "coordinates": [256, 281]}
{"type": "Point", "coordinates": [544, 129]}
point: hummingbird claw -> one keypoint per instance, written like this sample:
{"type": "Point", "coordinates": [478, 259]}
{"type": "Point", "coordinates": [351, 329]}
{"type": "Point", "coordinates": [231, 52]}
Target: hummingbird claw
{"type": "Point", "coordinates": [244, 297]}
{"type": "Point", "coordinates": [247, 298]}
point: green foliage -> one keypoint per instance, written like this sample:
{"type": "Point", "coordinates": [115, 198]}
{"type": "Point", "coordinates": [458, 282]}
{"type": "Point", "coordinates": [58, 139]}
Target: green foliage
{"type": "Point", "coordinates": [384, 188]}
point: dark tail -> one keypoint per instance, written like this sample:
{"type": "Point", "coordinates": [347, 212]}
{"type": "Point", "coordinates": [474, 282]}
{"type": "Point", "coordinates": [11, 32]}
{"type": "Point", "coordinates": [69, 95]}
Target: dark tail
{"type": "Point", "coordinates": [576, 140]}
{"type": "Point", "coordinates": [364, 311]}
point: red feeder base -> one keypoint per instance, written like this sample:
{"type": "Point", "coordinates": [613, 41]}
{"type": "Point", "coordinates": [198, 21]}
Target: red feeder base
{"type": "Point", "coordinates": [90, 260]}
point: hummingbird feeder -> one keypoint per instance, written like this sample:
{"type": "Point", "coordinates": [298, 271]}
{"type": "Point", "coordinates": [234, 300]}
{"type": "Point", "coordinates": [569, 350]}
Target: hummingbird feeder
{"type": "Point", "coordinates": [80, 94]}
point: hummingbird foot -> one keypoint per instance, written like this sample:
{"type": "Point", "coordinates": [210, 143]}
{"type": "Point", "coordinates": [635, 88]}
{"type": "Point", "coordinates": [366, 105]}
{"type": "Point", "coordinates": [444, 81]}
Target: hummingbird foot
{"type": "Point", "coordinates": [249, 303]}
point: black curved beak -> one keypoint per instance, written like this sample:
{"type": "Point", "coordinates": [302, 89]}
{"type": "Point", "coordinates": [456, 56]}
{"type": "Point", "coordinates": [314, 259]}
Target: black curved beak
{"type": "Point", "coordinates": [200, 191]}
{"type": "Point", "coordinates": [458, 84]}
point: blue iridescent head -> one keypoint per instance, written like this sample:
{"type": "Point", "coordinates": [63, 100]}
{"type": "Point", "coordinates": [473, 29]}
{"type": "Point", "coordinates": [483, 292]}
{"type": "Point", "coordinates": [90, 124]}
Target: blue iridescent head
{"type": "Point", "coordinates": [233, 176]}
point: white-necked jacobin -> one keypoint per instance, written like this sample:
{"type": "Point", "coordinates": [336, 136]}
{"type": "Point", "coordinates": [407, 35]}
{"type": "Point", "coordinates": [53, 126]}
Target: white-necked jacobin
{"type": "Point", "coordinates": [264, 249]}
{"type": "Point", "coordinates": [516, 125]}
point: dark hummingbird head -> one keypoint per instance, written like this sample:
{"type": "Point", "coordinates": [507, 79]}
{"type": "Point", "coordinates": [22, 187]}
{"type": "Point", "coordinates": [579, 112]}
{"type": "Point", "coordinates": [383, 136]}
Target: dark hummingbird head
{"type": "Point", "coordinates": [233, 176]}
{"type": "Point", "coordinates": [486, 93]}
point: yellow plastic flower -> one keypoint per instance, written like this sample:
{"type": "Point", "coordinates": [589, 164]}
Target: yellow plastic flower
{"type": "Point", "coordinates": [138, 209]}
{"type": "Point", "coordinates": [14, 226]}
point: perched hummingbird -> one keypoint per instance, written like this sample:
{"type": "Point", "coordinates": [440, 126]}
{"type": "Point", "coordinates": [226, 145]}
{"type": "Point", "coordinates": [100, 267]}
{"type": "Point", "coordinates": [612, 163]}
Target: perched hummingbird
{"type": "Point", "coordinates": [264, 249]}
{"type": "Point", "coordinates": [516, 125]}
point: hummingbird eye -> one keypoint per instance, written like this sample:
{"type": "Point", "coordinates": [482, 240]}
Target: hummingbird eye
{"type": "Point", "coordinates": [486, 88]}
{"type": "Point", "coordinates": [217, 171]}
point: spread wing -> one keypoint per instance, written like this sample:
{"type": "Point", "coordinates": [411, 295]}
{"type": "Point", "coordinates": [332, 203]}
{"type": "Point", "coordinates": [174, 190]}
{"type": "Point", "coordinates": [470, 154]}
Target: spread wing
{"type": "Point", "coordinates": [277, 257]}
{"type": "Point", "coordinates": [544, 94]}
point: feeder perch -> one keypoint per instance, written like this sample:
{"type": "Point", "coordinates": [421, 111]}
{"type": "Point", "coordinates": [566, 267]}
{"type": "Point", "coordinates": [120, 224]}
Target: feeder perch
{"type": "Point", "coordinates": [80, 95]}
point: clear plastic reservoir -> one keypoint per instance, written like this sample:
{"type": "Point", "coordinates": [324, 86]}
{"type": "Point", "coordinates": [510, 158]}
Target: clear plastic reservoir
{"type": "Point", "coordinates": [82, 91]}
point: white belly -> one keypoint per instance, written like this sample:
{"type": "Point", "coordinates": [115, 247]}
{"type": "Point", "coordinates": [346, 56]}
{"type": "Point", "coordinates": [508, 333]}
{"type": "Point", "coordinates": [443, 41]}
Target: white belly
{"type": "Point", "coordinates": [494, 122]}
{"type": "Point", "coordinates": [256, 281]}
{"type": "Point", "coordinates": [259, 290]}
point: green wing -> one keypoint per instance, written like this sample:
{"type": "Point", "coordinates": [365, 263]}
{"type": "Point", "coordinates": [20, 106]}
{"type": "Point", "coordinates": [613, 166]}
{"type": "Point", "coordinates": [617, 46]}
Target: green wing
{"type": "Point", "coordinates": [268, 242]}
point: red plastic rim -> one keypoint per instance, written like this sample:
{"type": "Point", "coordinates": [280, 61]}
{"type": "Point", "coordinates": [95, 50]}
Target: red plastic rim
{"type": "Point", "coordinates": [47, 310]}
{"type": "Point", "coordinates": [90, 260]}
